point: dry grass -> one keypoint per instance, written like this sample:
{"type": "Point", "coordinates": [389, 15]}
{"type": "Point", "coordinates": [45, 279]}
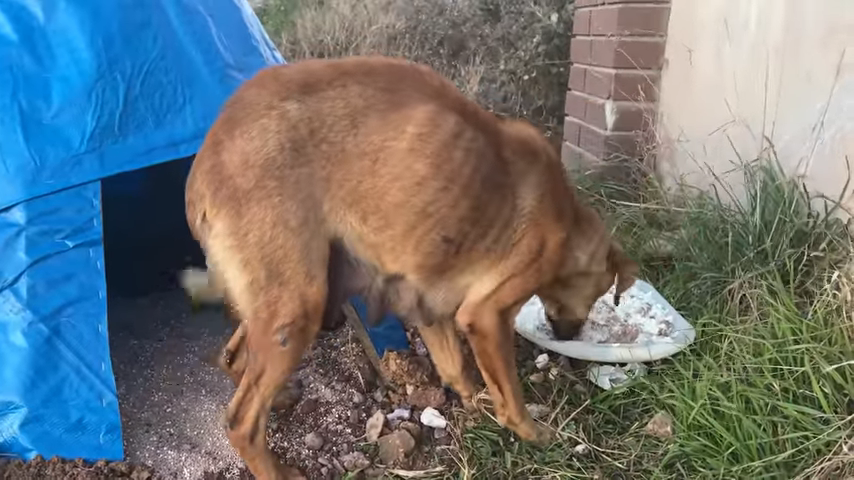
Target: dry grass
{"type": "Point", "coordinates": [509, 55]}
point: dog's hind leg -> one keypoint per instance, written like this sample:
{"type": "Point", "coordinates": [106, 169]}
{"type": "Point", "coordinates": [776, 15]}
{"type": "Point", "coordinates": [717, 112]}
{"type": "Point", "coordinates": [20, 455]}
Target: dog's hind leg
{"type": "Point", "coordinates": [279, 290]}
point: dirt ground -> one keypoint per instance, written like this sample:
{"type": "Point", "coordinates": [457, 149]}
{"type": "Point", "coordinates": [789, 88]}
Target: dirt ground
{"type": "Point", "coordinates": [172, 399]}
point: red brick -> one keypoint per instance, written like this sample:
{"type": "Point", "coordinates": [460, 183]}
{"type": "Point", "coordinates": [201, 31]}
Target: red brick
{"type": "Point", "coordinates": [609, 145]}
{"type": "Point", "coordinates": [588, 3]}
{"type": "Point", "coordinates": [576, 105]}
{"type": "Point", "coordinates": [576, 77]}
{"type": "Point", "coordinates": [581, 22]}
{"type": "Point", "coordinates": [628, 19]}
{"type": "Point", "coordinates": [620, 84]}
{"type": "Point", "coordinates": [635, 85]}
{"type": "Point", "coordinates": [571, 130]}
{"type": "Point", "coordinates": [609, 115]}
{"type": "Point", "coordinates": [574, 158]}
{"type": "Point", "coordinates": [614, 2]}
{"type": "Point", "coordinates": [626, 52]}
{"type": "Point", "coordinates": [581, 50]}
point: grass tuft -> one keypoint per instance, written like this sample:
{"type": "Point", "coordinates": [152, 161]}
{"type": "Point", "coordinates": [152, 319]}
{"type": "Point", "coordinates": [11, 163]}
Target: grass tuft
{"type": "Point", "coordinates": [766, 390]}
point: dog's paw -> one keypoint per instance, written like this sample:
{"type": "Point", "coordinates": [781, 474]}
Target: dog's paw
{"type": "Point", "coordinates": [535, 433]}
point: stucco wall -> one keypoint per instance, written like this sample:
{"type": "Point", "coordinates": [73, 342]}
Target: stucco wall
{"type": "Point", "coordinates": [738, 70]}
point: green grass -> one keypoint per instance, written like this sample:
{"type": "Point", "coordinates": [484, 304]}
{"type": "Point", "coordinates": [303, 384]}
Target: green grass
{"type": "Point", "coordinates": [764, 392]}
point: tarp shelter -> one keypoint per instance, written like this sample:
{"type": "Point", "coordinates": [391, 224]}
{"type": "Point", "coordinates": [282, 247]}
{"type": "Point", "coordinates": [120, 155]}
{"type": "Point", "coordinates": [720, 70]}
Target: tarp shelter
{"type": "Point", "coordinates": [89, 89]}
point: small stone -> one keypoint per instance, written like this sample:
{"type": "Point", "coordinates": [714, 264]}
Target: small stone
{"type": "Point", "coordinates": [581, 449]}
{"type": "Point", "coordinates": [355, 461]}
{"type": "Point", "coordinates": [432, 418]}
{"type": "Point", "coordinates": [358, 398]}
{"type": "Point", "coordinates": [395, 446]}
{"type": "Point", "coordinates": [409, 389]}
{"type": "Point", "coordinates": [554, 372]}
{"type": "Point", "coordinates": [345, 448]}
{"type": "Point", "coordinates": [354, 417]}
{"type": "Point", "coordinates": [661, 425]}
{"type": "Point", "coordinates": [420, 348]}
{"type": "Point", "coordinates": [379, 395]}
{"type": "Point", "coordinates": [374, 426]}
{"type": "Point", "coordinates": [413, 428]}
{"type": "Point", "coordinates": [338, 466]}
{"type": "Point", "coordinates": [308, 406]}
{"type": "Point", "coordinates": [313, 441]}
{"type": "Point", "coordinates": [324, 471]}
{"type": "Point", "coordinates": [439, 433]}
{"type": "Point", "coordinates": [542, 361]}
{"type": "Point", "coordinates": [538, 377]}
{"type": "Point", "coordinates": [324, 461]}
{"type": "Point", "coordinates": [399, 414]}
{"type": "Point", "coordinates": [140, 475]}
{"type": "Point", "coordinates": [538, 411]}
{"type": "Point", "coordinates": [427, 397]}
{"type": "Point", "coordinates": [564, 363]}
{"type": "Point", "coordinates": [375, 473]}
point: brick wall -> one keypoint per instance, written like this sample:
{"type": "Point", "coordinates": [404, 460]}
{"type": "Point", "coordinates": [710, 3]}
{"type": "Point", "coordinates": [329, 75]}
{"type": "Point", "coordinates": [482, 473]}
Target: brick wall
{"type": "Point", "coordinates": [616, 52]}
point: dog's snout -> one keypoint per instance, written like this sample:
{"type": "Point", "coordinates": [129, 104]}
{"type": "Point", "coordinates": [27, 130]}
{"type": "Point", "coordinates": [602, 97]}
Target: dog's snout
{"type": "Point", "coordinates": [566, 329]}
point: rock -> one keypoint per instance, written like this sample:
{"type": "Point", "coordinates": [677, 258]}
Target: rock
{"type": "Point", "coordinates": [420, 348]}
{"type": "Point", "coordinates": [308, 406]}
{"type": "Point", "coordinates": [542, 361]}
{"type": "Point", "coordinates": [354, 417]}
{"type": "Point", "coordinates": [432, 418]}
{"type": "Point", "coordinates": [324, 461]}
{"type": "Point", "coordinates": [140, 475]}
{"type": "Point", "coordinates": [358, 398]}
{"type": "Point", "coordinates": [374, 426]}
{"type": "Point", "coordinates": [338, 466]}
{"type": "Point", "coordinates": [313, 441]}
{"type": "Point", "coordinates": [398, 414]}
{"type": "Point", "coordinates": [427, 397]}
{"type": "Point", "coordinates": [375, 473]}
{"type": "Point", "coordinates": [538, 411]}
{"type": "Point", "coordinates": [413, 428]}
{"type": "Point", "coordinates": [355, 461]}
{"type": "Point", "coordinates": [581, 449]}
{"type": "Point", "coordinates": [441, 437]}
{"type": "Point", "coordinates": [661, 425]}
{"type": "Point", "coordinates": [379, 395]}
{"type": "Point", "coordinates": [395, 446]}
{"type": "Point", "coordinates": [324, 471]}
{"type": "Point", "coordinates": [538, 377]}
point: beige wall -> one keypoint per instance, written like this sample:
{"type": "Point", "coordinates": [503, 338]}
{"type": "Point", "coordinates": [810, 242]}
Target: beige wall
{"type": "Point", "coordinates": [736, 70]}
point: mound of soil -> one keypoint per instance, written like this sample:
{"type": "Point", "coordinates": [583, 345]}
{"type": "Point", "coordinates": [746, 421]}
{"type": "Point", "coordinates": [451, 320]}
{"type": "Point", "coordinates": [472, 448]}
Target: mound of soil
{"type": "Point", "coordinates": [39, 469]}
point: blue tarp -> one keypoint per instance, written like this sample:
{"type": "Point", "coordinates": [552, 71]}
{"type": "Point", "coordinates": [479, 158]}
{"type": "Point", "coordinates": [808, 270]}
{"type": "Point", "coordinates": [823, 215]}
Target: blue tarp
{"type": "Point", "coordinates": [89, 89]}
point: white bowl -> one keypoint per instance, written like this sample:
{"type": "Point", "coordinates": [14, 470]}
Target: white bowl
{"type": "Point", "coordinates": [532, 316]}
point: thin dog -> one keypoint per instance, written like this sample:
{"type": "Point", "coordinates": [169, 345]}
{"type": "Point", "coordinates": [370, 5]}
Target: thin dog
{"type": "Point", "coordinates": [388, 158]}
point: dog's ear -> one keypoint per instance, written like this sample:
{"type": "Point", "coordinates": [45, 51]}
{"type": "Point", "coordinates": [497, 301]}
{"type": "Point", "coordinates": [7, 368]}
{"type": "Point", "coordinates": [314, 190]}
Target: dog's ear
{"type": "Point", "coordinates": [624, 268]}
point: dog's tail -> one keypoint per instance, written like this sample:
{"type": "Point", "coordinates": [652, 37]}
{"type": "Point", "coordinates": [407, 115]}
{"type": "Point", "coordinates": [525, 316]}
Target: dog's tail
{"type": "Point", "coordinates": [201, 287]}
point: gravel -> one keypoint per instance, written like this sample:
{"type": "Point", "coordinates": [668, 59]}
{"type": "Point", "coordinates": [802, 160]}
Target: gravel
{"type": "Point", "coordinates": [171, 395]}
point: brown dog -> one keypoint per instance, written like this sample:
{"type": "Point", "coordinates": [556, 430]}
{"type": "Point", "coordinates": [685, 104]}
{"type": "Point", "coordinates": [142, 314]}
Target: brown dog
{"type": "Point", "coordinates": [390, 159]}
{"type": "Point", "coordinates": [346, 276]}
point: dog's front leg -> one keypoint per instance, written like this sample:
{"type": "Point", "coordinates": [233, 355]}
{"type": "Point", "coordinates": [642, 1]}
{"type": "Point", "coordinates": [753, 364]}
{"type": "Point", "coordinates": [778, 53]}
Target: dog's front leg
{"type": "Point", "coordinates": [443, 344]}
{"type": "Point", "coordinates": [490, 332]}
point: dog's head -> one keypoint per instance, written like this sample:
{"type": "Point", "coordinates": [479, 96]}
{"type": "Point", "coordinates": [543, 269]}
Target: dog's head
{"type": "Point", "coordinates": [593, 262]}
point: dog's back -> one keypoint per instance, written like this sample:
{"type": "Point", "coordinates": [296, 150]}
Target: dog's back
{"type": "Point", "coordinates": [372, 149]}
